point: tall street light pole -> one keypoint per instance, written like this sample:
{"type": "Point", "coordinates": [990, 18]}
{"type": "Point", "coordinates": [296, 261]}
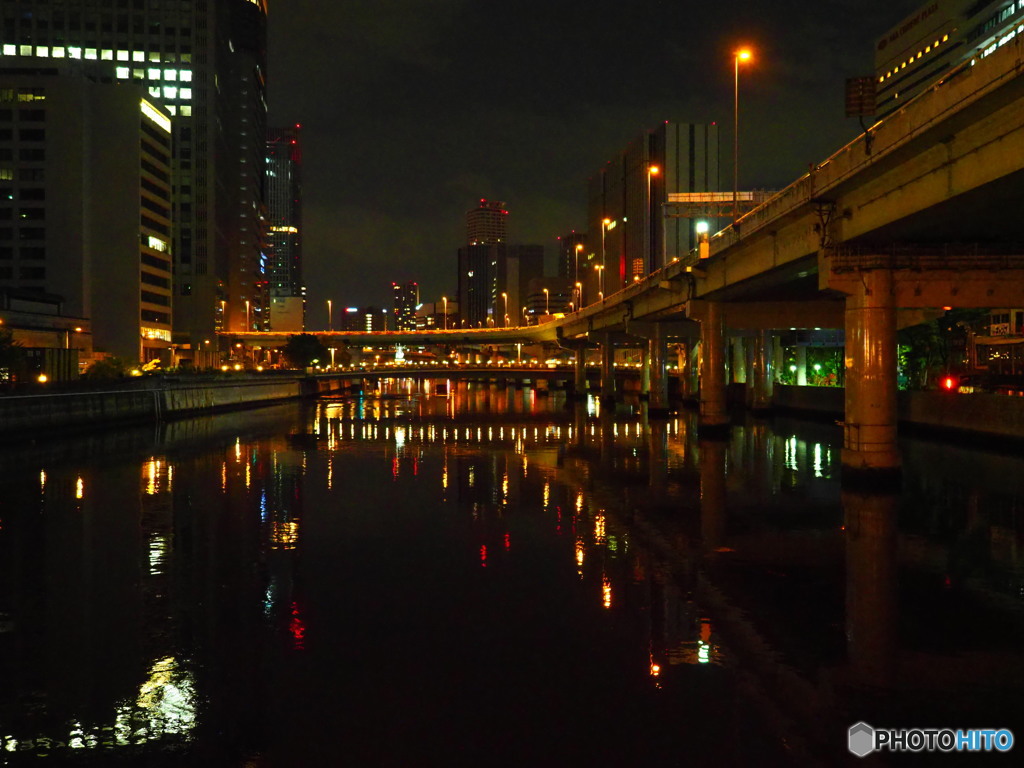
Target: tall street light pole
{"type": "Point", "coordinates": [743, 54]}
{"type": "Point", "coordinates": [547, 302]}
{"type": "Point", "coordinates": [504, 295]}
{"type": "Point", "coordinates": [330, 319]}
{"type": "Point", "coordinates": [651, 171]}
{"type": "Point", "coordinates": [576, 279]}
{"type": "Point", "coordinates": [604, 256]}
{"type": "Point", "coordinates": [445, 300]}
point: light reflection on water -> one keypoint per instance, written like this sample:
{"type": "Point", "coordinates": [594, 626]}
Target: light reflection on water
{"type": "Point", "coordinates": [176, 569]}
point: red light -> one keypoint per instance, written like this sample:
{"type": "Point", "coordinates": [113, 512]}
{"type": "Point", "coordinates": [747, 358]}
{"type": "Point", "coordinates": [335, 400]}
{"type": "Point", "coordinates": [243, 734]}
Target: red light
{"type": "Point", "coordinates": [949, 382]}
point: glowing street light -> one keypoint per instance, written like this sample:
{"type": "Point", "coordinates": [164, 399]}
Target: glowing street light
{"type": "Point", "coordinates": [600, 279]}
{"type": "Point", "coordinates": [445, 300]}
{"type": "Point", "coordinates": [248, 323]}
{"type": "Point", "coordinates": [576, 279]}
{"type": "Point", "coordinates": [505, 297]}
{"type": "Point", "coordinates": [330, 317]}
{"type": "Point", "coordinates": [743, 54]}
{"type": "Point", "coordinates": [547, 302]}
{"type": "Point", "coordinates": [579, 294]}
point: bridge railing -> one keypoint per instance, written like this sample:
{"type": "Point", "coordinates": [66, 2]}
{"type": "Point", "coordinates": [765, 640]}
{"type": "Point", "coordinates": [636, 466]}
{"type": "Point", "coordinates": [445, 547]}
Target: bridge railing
{"type": "Point", "coordinates": [921, 258]}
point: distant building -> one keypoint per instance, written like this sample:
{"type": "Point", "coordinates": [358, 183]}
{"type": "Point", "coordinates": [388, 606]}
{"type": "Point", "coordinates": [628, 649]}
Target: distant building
{"type": "Point", "coordinates": [364, 319]}
{"type": "Point", "coordinates": [406, 299]}
{"type": "Point", "coordinates": [629, 233]}
{"type": "Point", "coordinates": [935, 39]}
{"type": "Point", "coordinates": [570, 248]}
{"type": "Point", "coordinates": [430, 316]}
{"type": "Point", "coordinates": [520, 265]}
{"type": "Point", "coordinates": [487, 223]}
{"type": "Point", "coordinates": [283, 265]}
{"type": "Point", "coordinates": [478, 283]}
{"type": "Point", "coordinates": [85, 201]}
{"type": "Point", "coordinates": [547, 296]}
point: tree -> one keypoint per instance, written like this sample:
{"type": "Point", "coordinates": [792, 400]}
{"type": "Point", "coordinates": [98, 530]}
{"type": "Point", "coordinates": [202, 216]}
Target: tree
{"type": "Point", "coordinates": [107, 369]}
{"type": "Point", "coordinates": [302, 349]}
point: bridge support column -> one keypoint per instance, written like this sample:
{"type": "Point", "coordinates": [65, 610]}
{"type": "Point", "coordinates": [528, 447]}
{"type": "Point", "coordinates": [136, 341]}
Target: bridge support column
{"type": "Point", "coordinates": [657, 403]}
{"type": "Point", "coordinates": [579, 368]}
{"type": "Point", "coordinates": [869, 431]}
{"type": "Point", "coordinates": [714, 416]}
{"type": "Point", "coordinates": [764, 376]}
{"type": "Point", "coordinates": [739, 360]}
{"type": "Point", "coordinates": [607, 368]}
{"type": "Point", "coordinates": [645, 372]}
{"type": "Point", "coordinates": [801, 366]}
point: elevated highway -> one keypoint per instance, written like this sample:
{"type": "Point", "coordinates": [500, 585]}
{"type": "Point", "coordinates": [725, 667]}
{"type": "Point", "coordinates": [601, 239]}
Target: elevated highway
{"type": "Point", "coordinates": [879, 228]}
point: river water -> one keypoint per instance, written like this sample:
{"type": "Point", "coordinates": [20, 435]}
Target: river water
{"type": "Point", "coordinates": [498, 577]}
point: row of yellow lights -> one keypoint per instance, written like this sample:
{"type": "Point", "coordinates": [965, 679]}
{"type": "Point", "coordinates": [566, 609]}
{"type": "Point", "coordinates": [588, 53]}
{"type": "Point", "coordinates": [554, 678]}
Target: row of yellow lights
{"type": "Point", "coordinates": [912, 59]}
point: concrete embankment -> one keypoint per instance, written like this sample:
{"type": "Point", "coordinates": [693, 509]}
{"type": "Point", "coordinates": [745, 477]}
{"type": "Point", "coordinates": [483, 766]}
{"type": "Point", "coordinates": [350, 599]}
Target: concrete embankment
{"type": "Point", "coordinates": [980, 414]}
{"type": "Point", "coordinates": [149, 400]}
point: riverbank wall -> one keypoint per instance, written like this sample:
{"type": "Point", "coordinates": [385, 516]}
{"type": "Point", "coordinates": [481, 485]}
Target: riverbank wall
{"type": "Point", "coordinates": [150, 401]}
{"type": "Point", "coordinates": [977, 414]}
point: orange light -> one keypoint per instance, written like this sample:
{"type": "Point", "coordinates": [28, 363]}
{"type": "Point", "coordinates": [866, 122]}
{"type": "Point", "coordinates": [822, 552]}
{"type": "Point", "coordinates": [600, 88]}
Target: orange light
{"type": "Point", "coordinates": [744, 54]}
{"type": "Point", "coordinates": [654, 170]}
{"type": "Point", "coordinates": [949, 382]}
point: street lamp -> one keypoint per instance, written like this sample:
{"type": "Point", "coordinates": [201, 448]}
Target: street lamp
{"type": "Point", "coordinates": [526, 317]}
{"type": "Point", "coordinates": [600, 279]}
{"type": "Point", "coordinates": [604, 261]}
{"type": "Point", "coordinates": [579, 295]}
{"type": "Point", "coordinates": [576, 279]}
{"type": "Point", "coordinates": [445, 300]}
{"type": "Point", "coordinates": [505, 297]}
{"type": "Point", "coordinates": [652, 170]}
{"type": "Point", "coordinates": [248, 324]}
{"type": "Point", "coordinates": [547, 302]}
{"type": "Point", "coordinates": [330, 322]}
{"type": "Point", "coordinates": [743, 54]}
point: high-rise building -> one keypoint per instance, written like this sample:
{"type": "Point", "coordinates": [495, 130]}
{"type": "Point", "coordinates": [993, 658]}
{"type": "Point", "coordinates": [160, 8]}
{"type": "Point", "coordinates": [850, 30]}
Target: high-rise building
{"type": "Point", "coordinates": [630, 235]}
{"type": "Point", "coordinates": [204, 61]}
{"type": "Point", "coordinates": [407, 298]}
{"type": "Point", "coordinates": [570, 248]}
{"type": "Point", "coordinates": [935, 39]}
{"type": "Point", "coordinates": [486, 224]}
{"type": "Point", "coordinates": [283, 271]}
{"type": "Point", "coordinates": [85, 200]}
{"type": "Point", "coordinates": [478, 283]}
{"type": "Point", "coordinates": [520, 265]}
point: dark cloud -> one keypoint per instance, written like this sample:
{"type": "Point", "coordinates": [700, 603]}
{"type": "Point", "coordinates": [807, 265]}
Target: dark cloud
{"type": "Point", "coordinates": [414, 109]}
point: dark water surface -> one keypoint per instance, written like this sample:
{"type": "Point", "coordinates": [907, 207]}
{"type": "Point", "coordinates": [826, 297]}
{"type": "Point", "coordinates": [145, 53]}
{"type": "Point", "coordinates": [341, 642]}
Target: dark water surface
{"type": "Point", "coordinates": [497, 578]}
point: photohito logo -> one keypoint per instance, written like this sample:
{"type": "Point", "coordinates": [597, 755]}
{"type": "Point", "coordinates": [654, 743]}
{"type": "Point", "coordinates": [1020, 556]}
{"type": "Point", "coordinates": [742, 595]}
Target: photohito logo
{"type": "Point", "coordinates": [863, 739]}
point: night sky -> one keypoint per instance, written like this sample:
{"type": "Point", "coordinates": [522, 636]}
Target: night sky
{"type": "Point", "coordinates": [412, 110]}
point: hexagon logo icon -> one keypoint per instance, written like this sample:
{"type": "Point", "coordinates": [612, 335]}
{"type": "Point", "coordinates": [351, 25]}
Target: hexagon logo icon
{"type": "Point", "coordinates": [861, 739]}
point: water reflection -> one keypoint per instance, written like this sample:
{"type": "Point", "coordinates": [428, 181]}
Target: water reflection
{"type": "Point", "coordinates": [184, 590]}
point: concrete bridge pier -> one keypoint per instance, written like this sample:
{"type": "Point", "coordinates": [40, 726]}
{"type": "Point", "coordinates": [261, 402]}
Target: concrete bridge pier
{"type": "Point", "coordinates": [869, 430]}
{"type": "Point", "coordinates": [764, 376]}
{"type": "Point", "coordinates": [739, 360]}
{"type": "Point", "coordinates": [607, 368]}
{"type": "Point", "coordinates": [801, 366]}
{"type": "Point", "coordinates": [579, 370]}
{"type": "Point", "coordinates": [654, 362]}
{"type": "Point", "coordinates": [714, 416]}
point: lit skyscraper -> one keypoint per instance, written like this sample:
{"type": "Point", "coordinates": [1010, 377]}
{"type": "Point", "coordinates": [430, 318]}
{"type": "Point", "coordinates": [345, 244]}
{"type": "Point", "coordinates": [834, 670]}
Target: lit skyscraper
{"type": "Point", "coordinates": [204, 61]}
{"type": "Point", "coordinates": [407, 298]}
{"type": "Point", "coordinates": [283, 273]}
{"type": "Point", "coordinates": [85, 202]}
{"type": "Point", "coordinates": [486, 224]}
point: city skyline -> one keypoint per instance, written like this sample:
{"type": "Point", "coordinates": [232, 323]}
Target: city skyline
{"type": "Point", "coordinates": [400, 153]}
